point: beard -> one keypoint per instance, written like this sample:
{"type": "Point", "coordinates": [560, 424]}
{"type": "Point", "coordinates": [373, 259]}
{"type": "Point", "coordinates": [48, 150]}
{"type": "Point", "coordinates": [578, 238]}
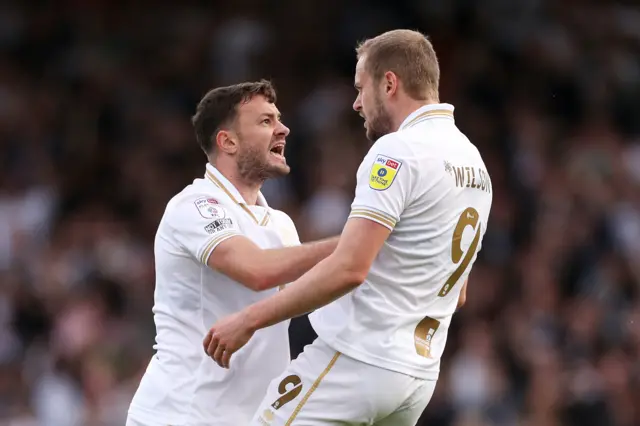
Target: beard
{"type": "Point", "coordinates": [379, 123]}
{"type": "Point", "coordinates": [254, 165]}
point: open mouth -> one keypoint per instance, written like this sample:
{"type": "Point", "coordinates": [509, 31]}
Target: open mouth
{"type": "Point", "coordinates": [278, 150]}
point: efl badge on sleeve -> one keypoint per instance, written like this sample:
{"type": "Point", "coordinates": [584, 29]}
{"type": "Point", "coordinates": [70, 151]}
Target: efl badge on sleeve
{"type": "Point", "coordinates": [208, 208]}
{"type": "Point", "coordinates": [383, 172]}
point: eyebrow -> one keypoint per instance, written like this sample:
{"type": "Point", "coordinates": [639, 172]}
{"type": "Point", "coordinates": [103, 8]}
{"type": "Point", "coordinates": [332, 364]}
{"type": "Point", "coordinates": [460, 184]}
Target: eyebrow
{"type": "Point", "coordinates": [277, 116]}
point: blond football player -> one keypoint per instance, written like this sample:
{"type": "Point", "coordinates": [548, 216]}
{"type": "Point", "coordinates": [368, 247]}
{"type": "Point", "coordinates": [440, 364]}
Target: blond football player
{"type": "Point", "coordinates": [420, 212]}
{"type": "Point", "coordinates": [219, 248]}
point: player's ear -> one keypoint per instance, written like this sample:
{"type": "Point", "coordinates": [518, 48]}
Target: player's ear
{"type": "Point", "coordinates": [390, 83]}
{"type": "Point", "coordinates": [227, 142]}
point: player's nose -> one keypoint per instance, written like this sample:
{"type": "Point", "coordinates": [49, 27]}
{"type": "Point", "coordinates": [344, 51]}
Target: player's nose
{"type": "Point", "coordinates": [357, 104]}
{"type": "Point", "coordinates": [282, 130]}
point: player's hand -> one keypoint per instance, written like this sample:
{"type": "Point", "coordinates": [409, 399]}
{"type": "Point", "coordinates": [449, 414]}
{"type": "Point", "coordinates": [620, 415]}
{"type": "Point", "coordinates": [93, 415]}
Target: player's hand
{"type": "Point", "coordinates": [226, 337]}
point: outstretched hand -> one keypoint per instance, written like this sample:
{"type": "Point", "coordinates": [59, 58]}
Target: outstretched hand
{"type": "Point", "coordinates": [226, 337]}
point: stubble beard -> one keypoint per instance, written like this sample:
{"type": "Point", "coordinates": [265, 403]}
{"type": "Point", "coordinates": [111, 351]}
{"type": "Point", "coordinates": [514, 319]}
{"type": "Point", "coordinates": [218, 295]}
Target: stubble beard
{"type": "Point", "coordinates": [380, 123]}
{"type": "Point", "coordinates": [254, 167]}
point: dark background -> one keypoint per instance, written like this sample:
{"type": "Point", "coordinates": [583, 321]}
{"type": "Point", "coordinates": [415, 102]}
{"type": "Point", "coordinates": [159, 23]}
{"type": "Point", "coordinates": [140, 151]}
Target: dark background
{"type": "Point", "coordinates": [95, 138]}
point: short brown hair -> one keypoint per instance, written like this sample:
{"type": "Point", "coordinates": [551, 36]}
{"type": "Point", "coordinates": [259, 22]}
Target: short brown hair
{"type": "Point", "coordinates": [408, 54]}
{"type": "Point", "coordinates": [219, 108]}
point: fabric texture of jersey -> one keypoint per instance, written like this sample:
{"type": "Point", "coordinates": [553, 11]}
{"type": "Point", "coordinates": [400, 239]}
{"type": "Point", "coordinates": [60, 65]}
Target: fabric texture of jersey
{"type": "Point", "coordinates": [182, 386]}
{"type": "Point", "coordinates": [323, 387]}
{"type": "Point", "coordinates": [428, 184]}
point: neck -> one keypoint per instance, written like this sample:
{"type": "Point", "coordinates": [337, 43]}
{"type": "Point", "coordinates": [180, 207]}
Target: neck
{"type": "Point", "coordinates": [248, 190]}
{"type": "Point", "coordinates": [407, 108]}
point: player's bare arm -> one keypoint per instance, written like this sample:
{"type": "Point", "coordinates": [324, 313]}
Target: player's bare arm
{"type": "Point", "coordinates": [462, 299]}
{"type": "Point", "coordinates": [258, 269]}
{"type": "Point", "coordinates": [342, 271]}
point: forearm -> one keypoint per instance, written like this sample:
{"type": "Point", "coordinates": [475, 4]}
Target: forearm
{"type": "Point", "coordinates": [284, 265]}
{"type": "Point", "coordinates": [324, 283]}
{"type": "Point", "coordinates": [259, 269]}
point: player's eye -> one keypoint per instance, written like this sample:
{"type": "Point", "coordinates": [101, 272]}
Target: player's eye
{"type": "Point", "coordinates": [266, 121]}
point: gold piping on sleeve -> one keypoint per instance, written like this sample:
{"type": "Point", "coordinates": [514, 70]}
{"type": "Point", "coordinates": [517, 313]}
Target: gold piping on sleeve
{"type": "Point", "coordinates": [377, 216]}
{"type": "Point", "coordinates": [216, 240]}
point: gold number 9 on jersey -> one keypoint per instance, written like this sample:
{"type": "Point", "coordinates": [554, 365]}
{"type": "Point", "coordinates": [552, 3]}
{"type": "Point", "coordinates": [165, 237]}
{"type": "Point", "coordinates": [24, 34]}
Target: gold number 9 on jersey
{"type": "Point", "coordinates": [288, 394]}
{"type": "Point", "coordinates": [469, 217]}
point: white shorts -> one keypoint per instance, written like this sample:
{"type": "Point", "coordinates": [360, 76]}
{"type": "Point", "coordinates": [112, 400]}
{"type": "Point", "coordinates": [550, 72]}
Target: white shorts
{"type": "Point", "coordinates": [324, 387]}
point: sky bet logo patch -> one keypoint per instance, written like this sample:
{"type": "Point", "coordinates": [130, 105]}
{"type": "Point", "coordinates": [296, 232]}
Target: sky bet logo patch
{"type": "Point", "coordinates": [383, 172]}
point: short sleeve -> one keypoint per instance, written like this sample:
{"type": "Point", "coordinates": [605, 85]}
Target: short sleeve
{"type": "Point", "coordinates": [201, 223]}
{"type": "Point", "coordinates": [383, 184]}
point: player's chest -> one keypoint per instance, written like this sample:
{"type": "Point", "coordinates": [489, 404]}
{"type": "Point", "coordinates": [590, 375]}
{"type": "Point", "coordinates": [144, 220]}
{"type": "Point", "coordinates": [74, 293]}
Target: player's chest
{"type": "Point", "coordinates": [263, 227]}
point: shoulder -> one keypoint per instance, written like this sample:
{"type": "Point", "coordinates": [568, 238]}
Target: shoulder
{"type": "Point", "coordinates": [392, 142]}
{"type": "Point", "coordinates": [390, 152]}
{"type": "Point", "coordinates": [200, 200]}
{"type": "Point", "coordinates": [392, 145]}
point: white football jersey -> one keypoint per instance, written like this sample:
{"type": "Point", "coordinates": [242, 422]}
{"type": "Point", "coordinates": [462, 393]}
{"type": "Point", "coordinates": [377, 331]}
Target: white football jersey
{"type": "Point", "coordinates": [428, 184]}
{"type": "Point", "coordinates": [182, 385]}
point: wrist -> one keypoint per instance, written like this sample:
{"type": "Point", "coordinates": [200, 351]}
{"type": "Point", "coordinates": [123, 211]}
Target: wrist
{"type": "Point", "coordinates": [251, 318]}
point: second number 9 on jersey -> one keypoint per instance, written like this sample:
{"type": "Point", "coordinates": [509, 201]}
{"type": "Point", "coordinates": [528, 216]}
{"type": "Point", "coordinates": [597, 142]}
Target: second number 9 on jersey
{"type": "Point", "coordinates": [469, 217]}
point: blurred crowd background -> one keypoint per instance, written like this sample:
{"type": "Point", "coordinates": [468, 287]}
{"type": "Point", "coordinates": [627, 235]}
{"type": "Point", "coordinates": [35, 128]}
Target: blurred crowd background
{"type": "Point", "coordinates": [95, 137]}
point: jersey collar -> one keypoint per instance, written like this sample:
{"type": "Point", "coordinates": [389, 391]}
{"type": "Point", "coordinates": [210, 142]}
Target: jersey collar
{"type": "Point", "coordinates": [427, 112]}
{"type": "Point", "coordinates": [218, 179]}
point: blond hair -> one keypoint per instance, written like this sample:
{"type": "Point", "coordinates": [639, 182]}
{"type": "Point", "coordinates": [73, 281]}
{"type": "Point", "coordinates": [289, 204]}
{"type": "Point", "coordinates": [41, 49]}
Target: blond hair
{"type": "Point", "coordinates": [409, 55]}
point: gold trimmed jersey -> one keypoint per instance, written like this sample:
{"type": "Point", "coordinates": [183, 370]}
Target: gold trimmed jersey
{"type": "Point", "coordinates": [182, 385]}
{"type": "Point", "coordinates": [427, 183]}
